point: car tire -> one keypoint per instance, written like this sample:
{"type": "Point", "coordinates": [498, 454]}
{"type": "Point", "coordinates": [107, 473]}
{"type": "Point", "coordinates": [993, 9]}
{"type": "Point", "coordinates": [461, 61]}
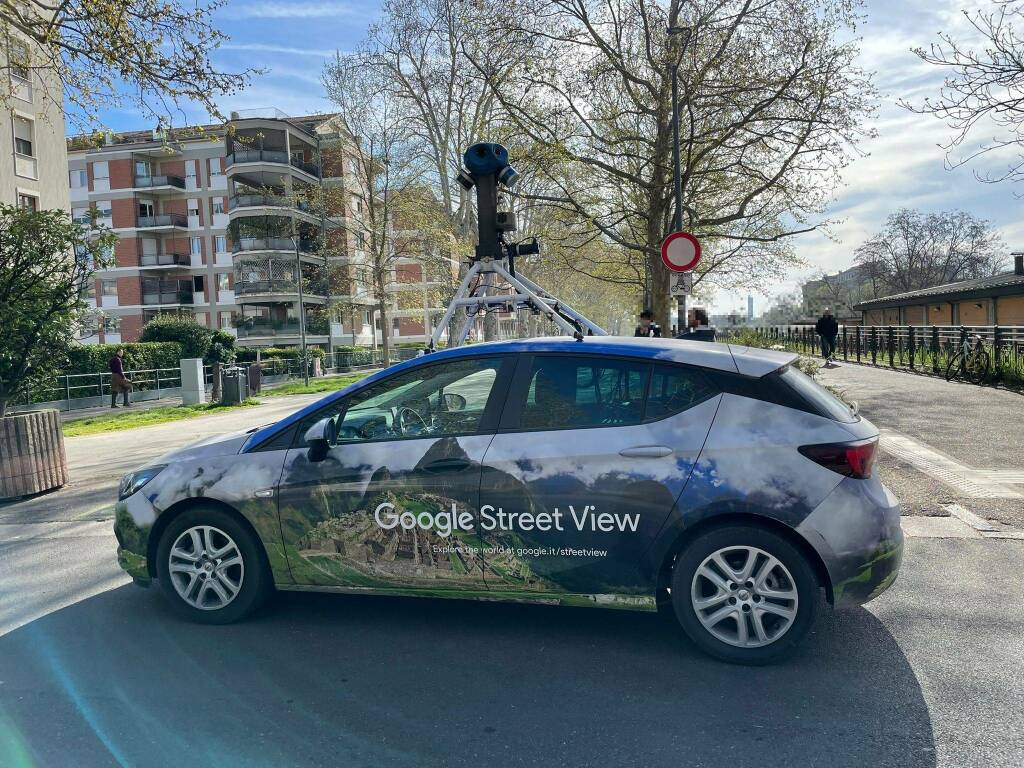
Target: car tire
{"type": "Point", "coordinates": [777, 602]}
{"type": "Point", "coordinates": [220, 570]}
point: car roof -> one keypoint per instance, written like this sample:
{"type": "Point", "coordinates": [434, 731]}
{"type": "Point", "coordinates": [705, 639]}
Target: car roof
{"type": "Point", "coordinates": [746, 361]}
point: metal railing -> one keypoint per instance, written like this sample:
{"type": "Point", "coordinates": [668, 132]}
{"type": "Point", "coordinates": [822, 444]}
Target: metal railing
{"type": "Point", "coordinates": [257, 156]}
{"type": "Point", "coordinates": [164, 260]}
{"type": "Point", "coordinates": [279, 285]}
{"type": "Point", "coordinates": [160, 181]}
{"type": "Point", "coordinates": [163, 220]}
{"type": "Point", "coordinates": [172, 296]}
{"type": "Point", "coordinates": [923, 349]}
{"type": "Point", "coordinates": [271, 244]}
{"type": "Point", "coordinates": [79, 390]}
{"type": "Point", "coordinates": [278, 201]}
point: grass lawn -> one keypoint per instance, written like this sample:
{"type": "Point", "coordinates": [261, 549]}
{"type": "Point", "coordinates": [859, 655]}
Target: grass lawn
{"type": "Point", "coordinates": [325, 384]}
{"type": "Point", "coordinates": [129, 419]}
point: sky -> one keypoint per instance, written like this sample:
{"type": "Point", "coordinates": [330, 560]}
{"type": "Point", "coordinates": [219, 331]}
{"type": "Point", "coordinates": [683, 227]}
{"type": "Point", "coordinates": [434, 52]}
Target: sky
{"type": "Point", "coordinates": [903, 166]}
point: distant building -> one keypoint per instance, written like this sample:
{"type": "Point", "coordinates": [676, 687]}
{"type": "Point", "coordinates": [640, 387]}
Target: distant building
{"type": "Point", "coordinates": [33, 156]}
{"type": "Point", "coordinates": [996, 300]}
{"type": "Point", "coordinates": [838, 292]}
{"type": "Point", "coordinates": [750, 308]}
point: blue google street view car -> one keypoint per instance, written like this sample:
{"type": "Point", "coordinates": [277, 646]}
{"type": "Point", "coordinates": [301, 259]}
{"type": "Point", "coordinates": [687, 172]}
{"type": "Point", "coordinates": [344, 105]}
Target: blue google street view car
{"type": "Point", "coordinates": [716, 481]}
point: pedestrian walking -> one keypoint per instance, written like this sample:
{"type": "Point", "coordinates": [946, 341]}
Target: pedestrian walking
{"type": "Point", "coordinates": [697, 327]}
{"type": "Point", "coordinates": [119, 383]}
{"type": "Point", "coordinates": [827, 328]}
{"type": "Point", "coordinates": [647, 327]}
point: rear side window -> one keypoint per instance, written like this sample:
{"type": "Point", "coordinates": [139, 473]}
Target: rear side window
{"type": "Point", "coordinates": [820, 400]}
{"type": "Point", "coordinates": [568, 392]}
{"type": "Point", "coordinates": [674, 389]}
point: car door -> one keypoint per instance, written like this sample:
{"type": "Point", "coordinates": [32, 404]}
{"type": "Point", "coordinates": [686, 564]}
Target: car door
{"type": "Point", "coordinates": [592, 454]}
{"type": "Point", "coordinates": [392, 503]}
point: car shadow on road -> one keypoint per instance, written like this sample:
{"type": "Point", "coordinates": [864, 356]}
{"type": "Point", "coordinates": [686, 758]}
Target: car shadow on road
{"type": "Point", "coordinates": [338, 680]}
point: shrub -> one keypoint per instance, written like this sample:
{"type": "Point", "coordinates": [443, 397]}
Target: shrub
{"type": "Point", "coordinates": [248, 354]}
{"type": "Point", "coordinates": [221, 349]}
{"type": "Point", "coordinates": [194, 338]}
{"type": "Point", "coordinates": [94, 358]}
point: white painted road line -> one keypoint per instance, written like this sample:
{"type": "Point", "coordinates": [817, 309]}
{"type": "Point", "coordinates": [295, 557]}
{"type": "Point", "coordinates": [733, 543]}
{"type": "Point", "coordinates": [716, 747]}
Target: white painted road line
{"type": "Point", "coordinates": [962, 513]}
{"type": "Point", "coordinates": [965, 480]}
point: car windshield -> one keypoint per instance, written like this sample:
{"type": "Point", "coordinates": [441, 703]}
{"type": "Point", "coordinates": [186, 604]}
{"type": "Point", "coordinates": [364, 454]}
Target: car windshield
{"type": "Point", "coordinates": [819, 398]}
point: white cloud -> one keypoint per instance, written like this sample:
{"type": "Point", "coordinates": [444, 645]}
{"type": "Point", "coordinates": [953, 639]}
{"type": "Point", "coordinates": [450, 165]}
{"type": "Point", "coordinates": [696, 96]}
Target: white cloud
{"type": "Point", "coordinates": [282, 49]}
{"type": "Point", "coordinates": [289, 10]}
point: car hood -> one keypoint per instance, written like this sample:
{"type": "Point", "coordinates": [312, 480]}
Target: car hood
{"type": "Point", "coordinates": [216, 445]}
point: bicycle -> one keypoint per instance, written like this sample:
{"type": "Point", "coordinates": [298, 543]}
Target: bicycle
{"type": "Point", "coordinates": [971, 361]}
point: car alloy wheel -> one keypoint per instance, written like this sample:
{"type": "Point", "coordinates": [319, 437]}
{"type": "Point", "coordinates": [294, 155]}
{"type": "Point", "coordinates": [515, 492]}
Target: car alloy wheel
{"type": "Point", "coordinates": [744, 596]}
{"type": "Point", "coordinates": [206, 567]}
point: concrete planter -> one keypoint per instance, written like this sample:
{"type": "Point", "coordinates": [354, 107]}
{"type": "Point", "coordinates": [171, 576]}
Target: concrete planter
{"type": "Point", "coordinates": [31, 453]}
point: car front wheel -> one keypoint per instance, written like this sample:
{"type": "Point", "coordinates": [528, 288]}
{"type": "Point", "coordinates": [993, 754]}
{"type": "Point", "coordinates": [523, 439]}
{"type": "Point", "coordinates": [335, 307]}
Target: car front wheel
{"type": "Point", "coordinates": [744, 594]}
{"type": "Point", "coordinates": [211, 567]}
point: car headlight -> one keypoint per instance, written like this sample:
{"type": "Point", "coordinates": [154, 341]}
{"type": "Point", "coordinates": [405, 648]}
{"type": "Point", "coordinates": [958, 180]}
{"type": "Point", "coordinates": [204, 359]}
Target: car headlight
{"type": "Point", "coordinates": [134, 481]}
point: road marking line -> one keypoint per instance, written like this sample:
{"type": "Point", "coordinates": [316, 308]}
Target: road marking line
{"type": "Point", "coordinates": [937, 528]}
{"type": "Point", "coordinates": [963, 479]}
{"type": "Point", "coordinates": [1011, 476]}
{"type": "Point", "coordinates": [973, 520]}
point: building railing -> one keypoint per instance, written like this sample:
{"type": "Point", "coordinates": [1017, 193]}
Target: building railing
{"type": "Point", "coordinates": [170, 296]}
{"type": "Point", "coordinates": [163, 220]}
{"type": "Point", "coordinates": [923, 349]}
{"type": "Point", "coordinates": [164, 260]}
{"type": "Point", "coordinates": [160, 181]}
{"type": "Point", "coordinates": [278, 201]}
{"type": "Point", "coordinates": [272, 244]}
{"type": "Point", "coordinates": [282, 285]}
{"type": "Point", "coordinates": [258, 156]}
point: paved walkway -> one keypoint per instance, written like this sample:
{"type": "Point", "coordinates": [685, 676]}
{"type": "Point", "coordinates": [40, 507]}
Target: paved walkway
{"type": "Point", "coordinates": [944, 443]}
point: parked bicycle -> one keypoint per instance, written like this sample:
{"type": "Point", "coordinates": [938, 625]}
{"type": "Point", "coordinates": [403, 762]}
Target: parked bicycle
{"type": "Point", "coordinates": [970, 362]}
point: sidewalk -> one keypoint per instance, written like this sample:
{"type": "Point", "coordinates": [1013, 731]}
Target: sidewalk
{"type": "Point", "coordinates": [101, 410]}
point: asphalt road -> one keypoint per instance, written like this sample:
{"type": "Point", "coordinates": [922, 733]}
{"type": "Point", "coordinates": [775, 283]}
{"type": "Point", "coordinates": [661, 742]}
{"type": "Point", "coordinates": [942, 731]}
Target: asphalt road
{"type": "Point", "coordinates": [96, 672]}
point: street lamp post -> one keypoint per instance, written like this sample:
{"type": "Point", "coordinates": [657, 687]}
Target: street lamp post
{"type": "Point", "coordinates": [685, 32]}
{"type": "Point", "coordinates": [302, 312]}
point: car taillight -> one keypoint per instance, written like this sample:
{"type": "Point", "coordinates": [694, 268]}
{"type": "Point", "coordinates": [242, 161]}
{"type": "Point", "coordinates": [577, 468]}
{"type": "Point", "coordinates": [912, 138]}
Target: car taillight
{"type": "Point", "coordinates": [855, 459]}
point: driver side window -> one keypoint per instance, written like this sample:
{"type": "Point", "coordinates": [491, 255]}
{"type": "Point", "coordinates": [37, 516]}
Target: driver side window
{"type": "Point", "coordinates": [428, 401]}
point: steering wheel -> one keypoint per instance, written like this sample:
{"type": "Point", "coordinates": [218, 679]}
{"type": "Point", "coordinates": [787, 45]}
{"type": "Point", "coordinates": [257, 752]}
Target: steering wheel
{"type": "Point", "coordinates": [404, 417]}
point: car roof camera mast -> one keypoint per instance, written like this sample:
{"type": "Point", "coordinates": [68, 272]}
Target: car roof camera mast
{"type": "Point", "coordinates": [487, 167]}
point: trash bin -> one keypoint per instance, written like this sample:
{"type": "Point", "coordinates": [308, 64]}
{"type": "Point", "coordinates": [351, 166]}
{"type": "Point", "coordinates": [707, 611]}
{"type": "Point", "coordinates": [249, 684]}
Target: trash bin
{"type": "Point", "coordinates": [235, 386]}
{"type": "Point", "coordinates": [255, 375]}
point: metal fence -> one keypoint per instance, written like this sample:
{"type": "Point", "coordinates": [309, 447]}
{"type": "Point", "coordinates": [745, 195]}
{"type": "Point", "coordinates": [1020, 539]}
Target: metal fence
{"type": "Point", "coordinates": [84, 390]}
{"type": "Point", "coordinates": [920, 348]}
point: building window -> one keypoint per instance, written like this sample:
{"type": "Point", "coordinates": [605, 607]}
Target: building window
{"type": "Point", "coordinates": [111, 323]}
{"type": "Point", "coordinates": [221, 242]}
{"type": "Point", "coordinates": [366, 318]}
{"type": "Point", "coordinates": [108, 287]}
{"type": "Point", "coordinates": [104, 209]}
{"type": "Point", "coordinates": [23, 136]}
{"type": "Point", "coordinates": [79, 179]}
{"type": "Point", "coordinates": [28, 202]}
{"type": "Point", "coordinates": [192, 171]}
{"type": "Point", "coordinates": [394, 324]}
{"type": "Point", "coordinates": [222, 282]}
{"type": "Point", "coordinates": [226, 319]}
{"type": "Point", "coordinates": [215, 169]}
{"type": "Point", "coordinates": [81, 216]}
{"type": "Point", "coordinates": [193, 207]}
{"type": "Point", "coordinates": [147, 208]}
{"type": "Point", "coordinates": [217, 204]}
{"type": "Point", "coordinates": [19, 60]}
{"type": "Point", "coordinates": [142, 169]}
{"type": "Point", "coordinates": [195, 245]}
{"type": "Point", "coordinates": [101, 171]}
{"type": "Point", "coordinates": [197, 283]}
{"type": "Point", "coordinates": [89, 290]}
{"type": "Point", "coordinates": [361, 239]}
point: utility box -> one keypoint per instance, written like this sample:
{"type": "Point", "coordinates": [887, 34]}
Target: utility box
{"type": "Point", "coordinates": [235, 386]}
{"type": "Point", "coordinates": [255, 373]}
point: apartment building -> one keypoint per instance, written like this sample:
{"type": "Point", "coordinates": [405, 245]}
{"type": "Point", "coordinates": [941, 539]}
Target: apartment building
{"type": "Point", "coordinates": [229, 224]}
{"type": "Point", "coordinates": [33, 160]}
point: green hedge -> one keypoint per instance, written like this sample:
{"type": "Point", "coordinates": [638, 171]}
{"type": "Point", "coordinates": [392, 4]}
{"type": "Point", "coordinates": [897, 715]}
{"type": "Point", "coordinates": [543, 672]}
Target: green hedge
{"type": "Point", "coordinates": [248, 354]}
{"type": "Point", "coordinates": [93, 358]}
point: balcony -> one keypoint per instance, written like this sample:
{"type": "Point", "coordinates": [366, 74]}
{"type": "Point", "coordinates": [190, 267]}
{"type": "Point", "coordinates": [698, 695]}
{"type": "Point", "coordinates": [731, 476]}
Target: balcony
{"type": "Point", "coordinates": [260, 327]}
{"type": "Point", "coordinates": [166, 222]}
{"type": "Point", "coordinates": [314, 290]}
{"type": "Point", "coordinates": [164, 260]}
{"type": "Point", "coordinates": [160, 183]}
{"type": "Point", "coordinates": [167, 295]}
{"type": "Point", "coordinates": [272, 244]}
{"type": "Point", "coordinates": [277, 156]}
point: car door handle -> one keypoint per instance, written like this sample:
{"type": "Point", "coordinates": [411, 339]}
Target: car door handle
{"type": "Point", "coordinates": [647, 452]}
{"type": "Point", "coordinates": [447, 465]}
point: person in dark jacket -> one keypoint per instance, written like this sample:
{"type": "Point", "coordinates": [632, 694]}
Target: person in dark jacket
{"type": "Point", "coordinates": [697, 328]}
{"type": "Point", "coordinates": [827, 328]}
{"type": "Point", "coordinates": [648, 328]}
{"type": "Point", "coordinates": [118, 381]}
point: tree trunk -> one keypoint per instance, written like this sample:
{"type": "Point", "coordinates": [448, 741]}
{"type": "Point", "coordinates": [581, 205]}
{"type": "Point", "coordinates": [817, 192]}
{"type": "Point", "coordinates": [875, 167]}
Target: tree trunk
{"type": "Point", "coordinates": [385, 333]}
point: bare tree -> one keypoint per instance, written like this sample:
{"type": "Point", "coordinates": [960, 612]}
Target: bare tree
{"type": "Point", "coordinates": [150, 55]}
{"type": "Point", "coordinates": [983, 88]}
{"type": "Point", "coordinates": [916, 250]}
{"type": "Point", "coordinates": [771, 105]}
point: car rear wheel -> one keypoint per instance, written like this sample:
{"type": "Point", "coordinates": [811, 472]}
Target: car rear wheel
{"type": "Point", "coordinates": [744, 594]}
{"type": "Point", "coordinates": [211, 567]}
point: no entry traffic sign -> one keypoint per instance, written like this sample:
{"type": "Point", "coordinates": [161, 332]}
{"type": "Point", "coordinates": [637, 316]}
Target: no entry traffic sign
{"type": "Point", "coordinates": [680, 251]}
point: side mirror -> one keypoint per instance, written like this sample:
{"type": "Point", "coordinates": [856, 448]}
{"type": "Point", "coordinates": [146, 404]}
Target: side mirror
{"type": "Point", "coordinates": [320, 437]}
{"type": "Point", "coordinates": [454, 401]}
